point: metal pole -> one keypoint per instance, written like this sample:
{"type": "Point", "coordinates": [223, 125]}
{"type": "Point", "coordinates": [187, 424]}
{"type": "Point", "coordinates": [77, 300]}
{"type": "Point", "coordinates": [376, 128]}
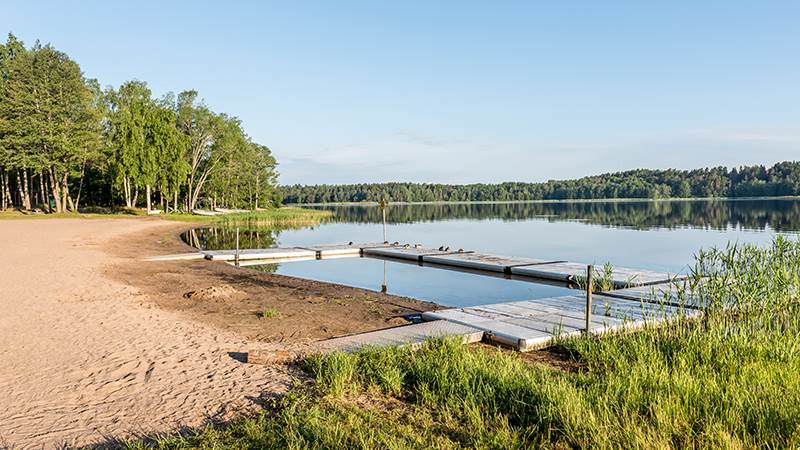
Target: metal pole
{"type": "Point", "coordinates": [383, 211]}
{"type": "Point", "coordinates": [237, 247]}
{"type": "Point", "coordinates": [589, 281]}
{"type": "Point", "coordinates": [384, 287]}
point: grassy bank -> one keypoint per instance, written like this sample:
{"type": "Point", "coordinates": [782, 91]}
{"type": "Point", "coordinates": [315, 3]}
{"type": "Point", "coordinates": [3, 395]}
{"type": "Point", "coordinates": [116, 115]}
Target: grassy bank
{"type": "Point", "coordinates": [275, 216]}
{"type": "Point", "coordinates": [729, 380]}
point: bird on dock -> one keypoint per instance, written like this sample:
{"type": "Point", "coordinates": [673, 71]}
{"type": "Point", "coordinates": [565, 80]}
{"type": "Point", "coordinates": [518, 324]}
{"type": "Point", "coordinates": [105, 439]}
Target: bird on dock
{"type": "Point", "coordinates": [441, 248]}
{"type": "Point", "coordinates": [350, 243]}
{"type": "Point", "coordinates": [447, 249]}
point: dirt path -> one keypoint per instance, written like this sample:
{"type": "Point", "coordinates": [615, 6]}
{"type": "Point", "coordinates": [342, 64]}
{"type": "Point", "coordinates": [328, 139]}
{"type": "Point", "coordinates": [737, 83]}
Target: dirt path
{"type": "Point", "coordinates": [84, 357]}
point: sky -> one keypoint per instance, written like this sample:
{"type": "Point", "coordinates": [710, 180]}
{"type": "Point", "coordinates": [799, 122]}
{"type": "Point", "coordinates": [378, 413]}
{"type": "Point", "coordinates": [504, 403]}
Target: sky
{"type": "Point", "coordinates": [461, 91]}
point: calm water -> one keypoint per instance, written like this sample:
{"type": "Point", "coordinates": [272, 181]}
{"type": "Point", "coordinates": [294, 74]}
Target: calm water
{"type": "Point", "coordinates": [650, 235]}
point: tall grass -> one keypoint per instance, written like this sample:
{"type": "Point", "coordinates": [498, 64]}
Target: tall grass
{"type": "Point", "coordinates": [288, 216]}
{"type": "Point", "coordinates": [728, 380]}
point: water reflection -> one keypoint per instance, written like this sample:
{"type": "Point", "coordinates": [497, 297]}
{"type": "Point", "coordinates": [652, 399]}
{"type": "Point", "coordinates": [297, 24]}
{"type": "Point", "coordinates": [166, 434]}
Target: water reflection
{"type": "Point", "coordinates": [778, 214]}
{"type": "Point", "coordinates": [660, 236]}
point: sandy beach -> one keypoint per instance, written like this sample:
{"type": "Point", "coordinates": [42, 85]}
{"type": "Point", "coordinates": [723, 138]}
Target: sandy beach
{"type": "Point", "coordinates": [98, 345]}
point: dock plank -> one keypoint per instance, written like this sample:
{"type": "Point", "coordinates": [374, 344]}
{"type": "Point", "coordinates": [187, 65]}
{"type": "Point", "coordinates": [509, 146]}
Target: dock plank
{"type": "Point", "coordinates": [412, 253]}
{"type": "Point", "coordinates": [348, 249]}
{"type": "Point", "coordinates": [263, 253]}
{"type": "Point", "coordinates": [679, 293]}
{"type": "Point", "coordinates": [483, 261]}
{"type": "Point", "coordinates": [530, 324]}
{"type": "Point", "coordinates": [413, 335]}
{"type": "Point", "coordinates": [622, 277]}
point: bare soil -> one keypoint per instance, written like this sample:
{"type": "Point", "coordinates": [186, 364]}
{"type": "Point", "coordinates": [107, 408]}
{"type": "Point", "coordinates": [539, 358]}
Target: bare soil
{"type": "Point", "coordinates": [232, 298]}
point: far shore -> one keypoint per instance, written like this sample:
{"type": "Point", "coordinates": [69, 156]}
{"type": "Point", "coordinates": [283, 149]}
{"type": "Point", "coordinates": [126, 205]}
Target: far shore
{"type": "Point", "coordinates": [577, 200]}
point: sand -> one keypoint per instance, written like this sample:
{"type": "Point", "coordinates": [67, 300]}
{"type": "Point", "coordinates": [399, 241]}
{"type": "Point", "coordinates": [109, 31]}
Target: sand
{"type": "Point", "coordinates": [85, 358]}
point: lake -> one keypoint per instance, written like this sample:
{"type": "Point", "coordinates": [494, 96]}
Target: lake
{"type": "Point", "coordinates": [655, 235]}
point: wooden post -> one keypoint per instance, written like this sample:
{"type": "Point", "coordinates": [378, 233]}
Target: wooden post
{"type": "Point", "coordinates": [589, 281]}
{"type": "Point", "coordinates": [236, 257]}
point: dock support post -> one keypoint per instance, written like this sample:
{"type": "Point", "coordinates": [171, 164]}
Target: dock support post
{"type": "Point", "coordinates": [236, 257]}
{"type": "Point", "coordinates": [384, 287]}
{"type": "Point", "coordinates": [383, 212]}
{"type": "Point", "coordinates": [589, 286]}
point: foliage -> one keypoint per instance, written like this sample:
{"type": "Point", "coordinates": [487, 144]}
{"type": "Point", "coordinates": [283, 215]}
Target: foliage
{"type": "Point", "coordinates": [269, 313]}
{"type": "Point", "coordinates": [781, 179]}
{"type": "Point", "coordinates": [62, 137]}
{"type": "Point", "coordinates": [49, 121]}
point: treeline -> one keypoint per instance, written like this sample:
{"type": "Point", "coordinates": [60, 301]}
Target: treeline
{"type": "Point", "coordinates": [65, 142]}
{"type": "Point", "coordinates": [777, 214]}
{"type": "Point", "coordinates": [749, 181]}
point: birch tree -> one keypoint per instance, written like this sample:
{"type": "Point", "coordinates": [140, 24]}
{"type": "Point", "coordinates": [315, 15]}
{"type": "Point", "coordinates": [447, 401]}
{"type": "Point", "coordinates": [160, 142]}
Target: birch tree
{"type": "Point", "coordinates": [48, 121]}
{"type": "Point", "coordinates": [126, 136]}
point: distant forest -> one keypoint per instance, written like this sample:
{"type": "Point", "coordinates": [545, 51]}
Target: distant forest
{"type": "Point", "coordinates": [747, 181]}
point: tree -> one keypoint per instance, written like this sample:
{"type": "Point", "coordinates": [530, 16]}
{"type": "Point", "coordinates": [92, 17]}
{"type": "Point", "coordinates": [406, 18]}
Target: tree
{"type": "Point", "coordinates": [8, 52]}
{"type": "Point", "coordinates": [202, 129]}
{"type": "Point", "coordinates": [49, 121]}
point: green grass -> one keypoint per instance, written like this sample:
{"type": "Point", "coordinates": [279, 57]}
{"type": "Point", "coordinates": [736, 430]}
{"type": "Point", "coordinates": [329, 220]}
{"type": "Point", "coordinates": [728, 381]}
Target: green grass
{"type": "Point", "coordinates": [275, 216]}
{"type": "Point", "coordinates": [269, 313]}
{"type": "Point", "coordinates": [728, 380]}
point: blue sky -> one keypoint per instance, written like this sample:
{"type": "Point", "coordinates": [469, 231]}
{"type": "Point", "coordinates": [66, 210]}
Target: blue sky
{"type": "Point", "coordinates": [459, 91]}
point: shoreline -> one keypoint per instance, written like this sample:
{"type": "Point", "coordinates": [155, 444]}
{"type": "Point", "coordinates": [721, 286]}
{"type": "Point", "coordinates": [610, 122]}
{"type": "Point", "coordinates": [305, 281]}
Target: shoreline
{"type": "Point", "coordinates": [513, 202]}
{"type": "Point", "coordinates": [231, 298]}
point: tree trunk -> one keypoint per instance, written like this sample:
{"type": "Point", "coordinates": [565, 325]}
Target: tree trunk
{"type": "Point", "coordinates": [148, 198]}
{"type": "Point", "coordinates": [54, 186]}
{"type": "Point", "coordinates": [175, 202]}
{"type": "Point", "coordinates": [64, 192]}
{"type": "Point", "coordinates": [3, 187]}
{"type": "Point", "coordinates": [21, 192]}
{"type": "Point", "coordinates": [45, 201]}
{"type": "Point", "coordinates": [126, 188]}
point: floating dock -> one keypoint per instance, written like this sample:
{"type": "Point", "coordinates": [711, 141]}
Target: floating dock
{"type": "Point", "coordinates": [483, 261]}
{"type": "Point", "coordinates": [412, 335]}
{"type": "Point", "coordinates": [531, 324]}
{"type": "Point", "coordinates": [254, 254]}
{"type": "Point", "coordinates": [342, 250]}
{"type": "Point", "coordinates": [408, 252]}
{"type": "Point", "coordinates": [637, 297]}
{"type": "Point", "coordinates": [620, 277]}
